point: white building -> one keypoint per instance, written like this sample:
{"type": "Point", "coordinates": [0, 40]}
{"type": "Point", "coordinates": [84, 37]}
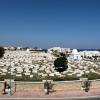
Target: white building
{"type": "Point", "coordinates": [75, 55]}
{"type": "Point", "coordinates": [59, 49]}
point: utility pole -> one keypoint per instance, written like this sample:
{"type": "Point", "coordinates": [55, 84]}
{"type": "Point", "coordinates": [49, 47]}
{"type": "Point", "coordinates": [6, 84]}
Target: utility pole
{"type": "Point", "coordinates": [10, 81]}
{"type": "Point", "coordinates": [9, 76]}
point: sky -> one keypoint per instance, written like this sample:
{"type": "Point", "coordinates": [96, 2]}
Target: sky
{"type": "Point", "coordinates": [50, 23]}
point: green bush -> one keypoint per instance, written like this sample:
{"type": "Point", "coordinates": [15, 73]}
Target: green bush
{"type": "Point", "coordinates": [91, 76]}
{"type": "Point", "coordinates": [57, 78]}
{"type": "Point", "coordinates": [2, 77]}
{"type": "Point", "coordinates": [2, 51]}
{"type": "Point", "coordinates": [27, 78]}
{"type": "Point", "coordinates": [61, 64]}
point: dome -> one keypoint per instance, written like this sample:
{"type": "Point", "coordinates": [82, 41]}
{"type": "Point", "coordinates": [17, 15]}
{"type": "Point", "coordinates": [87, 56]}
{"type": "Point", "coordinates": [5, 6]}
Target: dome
{"type": "Point", "coordinates": [74, 51]}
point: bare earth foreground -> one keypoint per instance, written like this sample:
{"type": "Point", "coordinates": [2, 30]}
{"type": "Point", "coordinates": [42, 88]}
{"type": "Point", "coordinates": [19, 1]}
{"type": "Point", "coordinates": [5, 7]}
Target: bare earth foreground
{"type": "Point", "coordinates": [40, 94]}
{"type": "Point", "coordinates": [61, 91]}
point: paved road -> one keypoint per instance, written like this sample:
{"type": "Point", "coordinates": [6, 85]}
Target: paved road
{"type": "Point", "coordinates": [91, 98]}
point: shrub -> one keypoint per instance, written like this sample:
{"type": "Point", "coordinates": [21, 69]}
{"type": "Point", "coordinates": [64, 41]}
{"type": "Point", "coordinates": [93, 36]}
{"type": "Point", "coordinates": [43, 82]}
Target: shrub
{"type": "Point", "coordinates": [91, 76]}
{"type": "Point", "coordinates": [61, 64]}
{"type": "Point", "coordinates": [2, 51]}
{"type": "Point", "coordinates": [2, 77]}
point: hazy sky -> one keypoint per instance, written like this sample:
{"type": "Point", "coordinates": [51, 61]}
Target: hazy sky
{"type": "Point", "coordinates": [48, 23]}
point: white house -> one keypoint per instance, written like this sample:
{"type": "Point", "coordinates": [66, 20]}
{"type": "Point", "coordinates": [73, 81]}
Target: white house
{"type": "Point", "coordinates": [75, 55]}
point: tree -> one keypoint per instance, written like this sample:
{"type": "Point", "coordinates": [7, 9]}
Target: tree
{"type": "Point", "coordinates": [61, 64]}
{"type": "Point", "coordinates": [2, 51]}
{"type": "Point", "coordinates": [62, 54]}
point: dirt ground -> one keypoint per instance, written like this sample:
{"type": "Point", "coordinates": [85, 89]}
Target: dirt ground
{"type": "Point", "coordinates": [60, 90]}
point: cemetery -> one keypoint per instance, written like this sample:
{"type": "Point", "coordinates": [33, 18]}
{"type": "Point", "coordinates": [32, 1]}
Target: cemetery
{"type": "Point", "coordinates": [21, 70]}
